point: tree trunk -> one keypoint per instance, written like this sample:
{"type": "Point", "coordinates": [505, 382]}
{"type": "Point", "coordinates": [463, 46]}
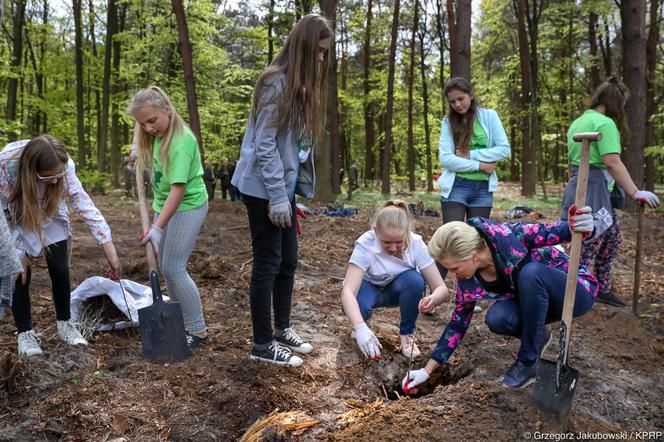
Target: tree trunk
{"type": "Point", "coordinates": [592, 41]}
{"type": "Point", "coordinates": [462, 40]}
{"type": "Point", "coordinates": [651, 107]}
{"type": "Point", "coordinates": [344, 144]}
{"type": "Point", "coordinates": [528, 157]}
{"type": "Point", "coordinates": [451, 30]}
{"type": "Point", "coordinates": [78, 60]}
{"type": "Point", "coordinates": [369, 134]}
{"type": "Point", "coordinates": [189, 78]}
{"type": "Point", "coordinates": [115, 112]}
{"type": "Point", "coordinates": [17, 53]}
{"type": "Point", "coordinates": [329, 10]}
{"type": "Point", "coordinates": [425, 110]}
{"type": "Point", "coordinates": [270, 29]}
{"type": "Point", "coordinates": [536, 137]}
{"type": "Point", "coordinates": [111, 30]}
{"type": "Point", "coordinates": [411, 80]}
{"type": "Point", "coordinates": [387, 151]}
{"type": "Point", "coordinates": [633, 15]}
{"type": "Point", "coordinates": [605, 47]}
{"type": "Point", "coordinates": [440, 32]}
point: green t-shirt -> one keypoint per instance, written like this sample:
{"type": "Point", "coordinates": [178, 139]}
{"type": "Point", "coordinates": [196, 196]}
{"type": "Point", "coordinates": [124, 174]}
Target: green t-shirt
{"type": "Point", "coordinates": [593, 121]}
{"type": "Point", "coordinates": [478, 140]}
{"type": "Point", "coordinates": [184, 167]}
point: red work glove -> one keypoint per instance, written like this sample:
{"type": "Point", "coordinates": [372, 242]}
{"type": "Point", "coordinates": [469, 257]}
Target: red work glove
{"type": "Point", "coordinates": [581, 220]}
{"type": "Point", "coordinates": [299, 212]}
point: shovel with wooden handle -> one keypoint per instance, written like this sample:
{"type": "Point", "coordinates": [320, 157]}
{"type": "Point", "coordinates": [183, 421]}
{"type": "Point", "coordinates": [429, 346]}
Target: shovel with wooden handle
{"type": "Point", "coordinates": [556, 382]}
{"type": "Point", "coordinates": [161, 324]}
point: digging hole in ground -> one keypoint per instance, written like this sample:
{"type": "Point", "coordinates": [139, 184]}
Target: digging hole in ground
{"type": "Point", "coordinates": [445, 375]}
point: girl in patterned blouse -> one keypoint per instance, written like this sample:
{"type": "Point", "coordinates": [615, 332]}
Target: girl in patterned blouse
{"type": "Point", "coordinates": [36, 178]}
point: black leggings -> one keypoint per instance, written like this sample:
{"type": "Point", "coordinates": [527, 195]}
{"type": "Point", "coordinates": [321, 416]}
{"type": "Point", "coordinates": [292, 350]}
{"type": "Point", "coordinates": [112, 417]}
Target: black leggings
{"type": "Point", "coordinates": [458, 212]}
{"type": "Point", "coordinates": [58, 269]}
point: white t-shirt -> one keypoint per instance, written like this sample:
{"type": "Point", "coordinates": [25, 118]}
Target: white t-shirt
{"type": "Point", "coordinates": [379, 267]}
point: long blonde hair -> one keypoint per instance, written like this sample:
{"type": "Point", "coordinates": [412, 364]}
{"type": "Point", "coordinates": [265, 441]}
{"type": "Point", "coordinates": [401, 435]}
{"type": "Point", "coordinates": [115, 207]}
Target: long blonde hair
{"type": "Point", "coordinates": [41, 153]}
{"type": "Point", "coordinates": [455, 240]}
{"type": "Point", "coordinates": [304, 99]}
{"type": "Point", "coordinates": [155, 97]}
{"type": "Point", "coordinates": [394, 213]}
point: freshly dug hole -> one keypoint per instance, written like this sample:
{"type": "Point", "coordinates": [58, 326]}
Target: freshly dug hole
{"type": "Point", "coordinates": [447, 374]}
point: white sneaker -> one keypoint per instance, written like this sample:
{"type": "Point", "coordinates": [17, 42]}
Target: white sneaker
{"type": "Point", "coordinates": [408, 346]}
{"type": "Point", "coordinates": [28, 344]}
{"type": "Point", "coordinates": [68, 333]}
{"type": "Point", "coordinates": [275, 354]}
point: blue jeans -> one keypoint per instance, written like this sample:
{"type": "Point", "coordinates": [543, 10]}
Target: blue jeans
{"type": "Point", "coordinates": [539, 302]}
{"type": "Point", "coordinates": [470, 193]}
{"type": "Point", "coordinates": [405, 292]}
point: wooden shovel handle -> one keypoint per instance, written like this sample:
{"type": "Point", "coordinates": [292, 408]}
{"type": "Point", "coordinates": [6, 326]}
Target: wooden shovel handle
{"type": "Point", "coordinates": [577, 238]}
{"type": "Point", "coordinates": [145, 218]}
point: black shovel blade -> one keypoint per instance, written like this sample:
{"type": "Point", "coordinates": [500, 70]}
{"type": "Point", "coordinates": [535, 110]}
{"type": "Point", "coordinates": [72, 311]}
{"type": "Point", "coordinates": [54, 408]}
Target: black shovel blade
{"type": "Point", "coordinates": [554, 390]}
{"type": "Point", "coordinates": [162, 328]}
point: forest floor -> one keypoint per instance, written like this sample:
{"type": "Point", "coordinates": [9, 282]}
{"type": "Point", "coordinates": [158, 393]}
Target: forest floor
{"type": "Point", "coordinates": [108, 391]}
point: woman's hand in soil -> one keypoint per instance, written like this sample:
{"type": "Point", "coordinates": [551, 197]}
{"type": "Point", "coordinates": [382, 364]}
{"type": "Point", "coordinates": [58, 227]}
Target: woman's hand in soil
{"type": "Point", "coordinates": [367, 341]}
{"type": "Point", "coordinates": [413, 379]}
{"type": "Point", "coordinates": [487, 168]}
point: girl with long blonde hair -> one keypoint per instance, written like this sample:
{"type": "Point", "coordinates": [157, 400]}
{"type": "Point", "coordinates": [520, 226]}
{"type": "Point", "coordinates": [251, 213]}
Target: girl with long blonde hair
{"type": "Point", "coordinates": [169, 148]}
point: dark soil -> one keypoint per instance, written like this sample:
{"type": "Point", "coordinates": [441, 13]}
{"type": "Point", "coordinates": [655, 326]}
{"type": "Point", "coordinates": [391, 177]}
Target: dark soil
{"type": "Point", "coordinates": [108, 391]}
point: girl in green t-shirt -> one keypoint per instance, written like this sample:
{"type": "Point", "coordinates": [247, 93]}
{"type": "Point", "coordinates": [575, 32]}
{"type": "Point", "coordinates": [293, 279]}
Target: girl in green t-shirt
{"type": "Point", "coordinates": [607, 116]}
{"type": "Point", "coordinates": [167, 145]}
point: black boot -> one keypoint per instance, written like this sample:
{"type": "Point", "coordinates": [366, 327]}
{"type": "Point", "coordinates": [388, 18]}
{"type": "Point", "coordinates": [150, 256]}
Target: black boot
{"type": "Point", "coordinates": [610, 298]}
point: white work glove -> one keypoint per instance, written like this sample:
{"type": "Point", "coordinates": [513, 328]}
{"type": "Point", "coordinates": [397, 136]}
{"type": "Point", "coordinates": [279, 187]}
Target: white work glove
{"type": "Point", "coordinates": [413, 379]}
{"type": "Point", "coordinates": [646, 197]}
{"type": "Point", "coordinates": [153, 234]}
{"type": "Point", "coordinates": [280, 214]}
{"type": "Point", "coordinates": [367, 341]}
{"type": "Point", "coordinates": [581, 220]}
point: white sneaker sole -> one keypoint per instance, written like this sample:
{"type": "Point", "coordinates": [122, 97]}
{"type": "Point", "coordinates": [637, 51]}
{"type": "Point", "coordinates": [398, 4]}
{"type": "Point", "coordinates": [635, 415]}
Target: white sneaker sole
{"type": "Point", "coordinates": [31, 353]}
{"type": "Point", "coordinates": [303, 349]}
{"type": "Point", "coordinates": [294, 361]}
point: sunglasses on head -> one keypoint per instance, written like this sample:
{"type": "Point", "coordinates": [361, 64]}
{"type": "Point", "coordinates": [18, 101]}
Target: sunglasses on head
{"type": "Point", "coordinates": [51, 178]}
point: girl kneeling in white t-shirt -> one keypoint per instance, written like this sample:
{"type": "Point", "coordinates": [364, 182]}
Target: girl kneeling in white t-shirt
{"type": "Point", "coordinates": [388, 268]}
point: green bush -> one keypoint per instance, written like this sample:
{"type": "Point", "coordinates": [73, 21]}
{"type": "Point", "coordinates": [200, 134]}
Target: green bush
{"type": "Point", "coordinates": [94, 181]}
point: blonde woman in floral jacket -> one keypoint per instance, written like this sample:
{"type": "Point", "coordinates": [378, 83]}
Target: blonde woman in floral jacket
{"type": "Point", "coordinates": [517, 266]}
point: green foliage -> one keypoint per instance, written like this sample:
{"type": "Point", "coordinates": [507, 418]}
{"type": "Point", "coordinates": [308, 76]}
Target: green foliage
{"type": "Point", "coordinates": [94, 181]}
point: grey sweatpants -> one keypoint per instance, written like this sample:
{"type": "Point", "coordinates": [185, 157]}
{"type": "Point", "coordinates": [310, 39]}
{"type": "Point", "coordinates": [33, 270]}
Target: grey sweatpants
{"type": "Point", "coordinates": [177, 243]}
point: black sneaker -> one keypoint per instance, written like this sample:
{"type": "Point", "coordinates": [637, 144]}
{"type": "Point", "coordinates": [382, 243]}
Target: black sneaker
{"type": "Point", "coordinates": [194, 341]}
{"type": "Point", "coordinates": [290, 338]}
{"type": "Point", "coordinates": [519, 375]}
{"type": "Point", "coordinates": [274, 354]}
{"type": "Point", "coordinates": [610, 298]}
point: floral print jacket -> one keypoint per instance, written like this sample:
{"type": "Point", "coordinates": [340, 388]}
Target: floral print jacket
{"type": "Point", "coordinates": [58, 227]}
{"type": "Point", "coordinates": [513, 245]}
